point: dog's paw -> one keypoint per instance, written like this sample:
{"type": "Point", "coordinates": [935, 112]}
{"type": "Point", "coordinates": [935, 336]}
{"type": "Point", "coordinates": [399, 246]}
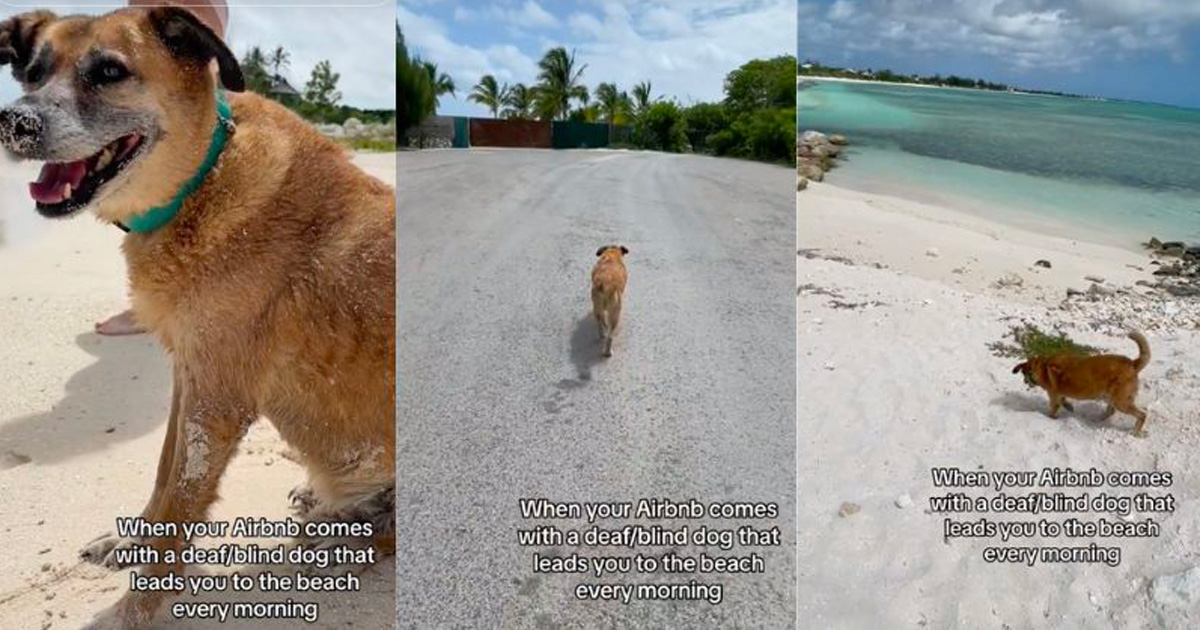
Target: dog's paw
{"type": "Point", "coordinates": [1141, 434]}
{"type": "Point", "coordinates": [103, 550]}
{"type": "Point", "coordinates": [303, 500]}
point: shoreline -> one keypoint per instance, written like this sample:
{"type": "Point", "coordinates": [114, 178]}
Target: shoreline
{"type": "Point", "coordinates": [899, 305]}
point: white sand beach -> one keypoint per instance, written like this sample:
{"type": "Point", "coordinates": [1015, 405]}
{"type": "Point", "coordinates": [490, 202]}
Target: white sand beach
{"type": "Point", "coordinates": [897, 302]}
{"type": "Point", "coordinates": [82, 420]}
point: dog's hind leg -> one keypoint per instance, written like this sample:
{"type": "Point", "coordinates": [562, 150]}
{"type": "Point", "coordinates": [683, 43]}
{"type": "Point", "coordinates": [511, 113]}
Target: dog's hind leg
{"type": "Point", "coordinates": [1108, 412]}
{"type": "Point", "coordinates": [1124, 402]}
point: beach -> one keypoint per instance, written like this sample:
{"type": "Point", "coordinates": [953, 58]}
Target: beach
{"type": "Point", "coordinates": [898, 300]}
{"type": "Point", "coordinates": [82, 421]}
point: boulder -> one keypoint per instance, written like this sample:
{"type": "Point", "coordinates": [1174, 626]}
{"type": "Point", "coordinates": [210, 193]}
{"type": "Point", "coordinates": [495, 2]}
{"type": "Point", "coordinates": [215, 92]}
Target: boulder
{"type": "Point", "coordinates": [353, 126]}
{"type": "Point", "coordinates": [1042, 263]}
{"type": "Point", "coordinates": [837, 139]}
{"type": "Point", "coordinates": [1154, 243]}
{"type": "Point", "coordinates": [814, 137]}
{"type": "Point", "coordinates": [801, 183]}
{"type": "Point", "coordinates": [810, 170]}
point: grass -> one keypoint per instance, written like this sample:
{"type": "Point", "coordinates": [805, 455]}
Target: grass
{"type": "Point", "coordinates": [364, 144]}
{"type": "Point", "coordinates": [1029, 342]}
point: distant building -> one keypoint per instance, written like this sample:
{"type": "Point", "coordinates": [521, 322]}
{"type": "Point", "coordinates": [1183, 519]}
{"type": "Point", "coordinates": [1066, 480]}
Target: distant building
{"type": "Point", "coordinates": [283, 91]}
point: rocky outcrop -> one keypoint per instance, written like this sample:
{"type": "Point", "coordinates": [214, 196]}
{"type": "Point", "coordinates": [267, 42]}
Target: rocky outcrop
{"type": "Point", "coordinates": [1177, 267]}
{"type": "Point", "coordinates": [817, 153]}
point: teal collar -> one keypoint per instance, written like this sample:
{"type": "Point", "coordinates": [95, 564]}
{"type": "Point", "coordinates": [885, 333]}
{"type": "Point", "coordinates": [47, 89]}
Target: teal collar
{"type": "Point", "coordinates": [157, 217]}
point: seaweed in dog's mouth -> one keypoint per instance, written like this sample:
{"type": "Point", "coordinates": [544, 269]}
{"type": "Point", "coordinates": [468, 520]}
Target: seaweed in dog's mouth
{"type": "Point", "coordinates": [64, 187]}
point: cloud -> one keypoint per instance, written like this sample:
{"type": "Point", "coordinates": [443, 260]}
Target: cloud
{"type": "Point", "coordinates": [684, 47]}
{"type": "Point", "coordinates": [1022, 34]}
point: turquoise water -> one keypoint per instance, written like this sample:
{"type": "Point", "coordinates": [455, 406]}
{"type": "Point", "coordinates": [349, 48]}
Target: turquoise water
{"type": "Point", "coordinates": [1120, 171]}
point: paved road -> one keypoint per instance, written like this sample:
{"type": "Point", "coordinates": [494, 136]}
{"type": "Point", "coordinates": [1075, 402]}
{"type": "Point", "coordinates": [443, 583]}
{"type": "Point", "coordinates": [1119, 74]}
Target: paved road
{"type": "Point", "coordinates": [502, 395]}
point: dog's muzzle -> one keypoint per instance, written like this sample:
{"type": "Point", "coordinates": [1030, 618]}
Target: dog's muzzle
{"type": "Point", "coordinates": [21, 129]}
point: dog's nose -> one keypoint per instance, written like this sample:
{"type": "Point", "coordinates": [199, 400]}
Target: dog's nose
{"type": "Point", "coordinates": [20, 129]}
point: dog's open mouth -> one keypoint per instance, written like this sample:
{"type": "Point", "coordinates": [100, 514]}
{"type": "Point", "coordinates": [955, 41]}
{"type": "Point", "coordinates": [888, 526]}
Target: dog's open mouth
{"type": "Point", "coordinates": [64, 187]}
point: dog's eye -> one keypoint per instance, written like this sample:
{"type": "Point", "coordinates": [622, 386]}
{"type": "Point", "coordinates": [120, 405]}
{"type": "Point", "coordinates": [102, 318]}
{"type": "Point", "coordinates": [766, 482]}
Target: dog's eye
{"type": "Point", "coordinates": [107, 72]}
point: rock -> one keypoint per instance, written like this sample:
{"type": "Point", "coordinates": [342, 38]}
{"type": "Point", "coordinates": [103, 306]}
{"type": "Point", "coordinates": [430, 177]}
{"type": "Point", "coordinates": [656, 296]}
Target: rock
{"type": "Point", "coordinates": [1170, 270]}
{"type": "Point", "coordinates": [1154, 243]}
{"type": "Point", "coordinates": [904, 501]}
{"type": "Point", "coordinates": [801, 183]}
{"type": "Point", "coordinates": [932, 252]}
{"type": "Point", "coordinates": [1042, 263]}
{"type": "Point", "coordinates": [1192, 253]}
{"type": "Point", "coordinates": [838, 139]}
{"type": "Point", "coordinates": [1074, 292]}
{"type": "Point", "coordinates": [1099, 290]}
{"type": "Point", "coordinates": [1009, 281]}
{"type": "Point", "coordinates": [1174, 249]}
{"type": "Point", "coordinates": [1181, 590]}
{"type": "Point", "coordinates": [813, 137]}
{"type": "Point", "coordinates": [1096, 279]}
{"type": "Point", "coordinates": [847, 509]}
{"type": "Point", "coordinates": [353, 126]}
{"type": "Point", "coordinates": [810, 170]}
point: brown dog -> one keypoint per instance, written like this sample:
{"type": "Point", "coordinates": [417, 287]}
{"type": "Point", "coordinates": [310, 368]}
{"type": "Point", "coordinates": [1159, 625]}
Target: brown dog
{"type": "Point", "coordinates": [608, 290]}
{"type": "Point", "coordinates": [267, 269]}
{"type": "Point", "coordinates": [1109, 377]}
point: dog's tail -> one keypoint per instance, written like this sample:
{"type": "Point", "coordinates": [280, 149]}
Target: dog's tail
{"type": "Point", "coordinates": [1143, 350]}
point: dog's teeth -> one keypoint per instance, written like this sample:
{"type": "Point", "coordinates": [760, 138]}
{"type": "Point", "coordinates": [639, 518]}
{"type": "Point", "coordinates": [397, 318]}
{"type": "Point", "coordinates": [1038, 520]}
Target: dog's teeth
{"type": "Point", "coordinates": [67, 192]}
{"type": "Point", "coordinates": [104, 160]}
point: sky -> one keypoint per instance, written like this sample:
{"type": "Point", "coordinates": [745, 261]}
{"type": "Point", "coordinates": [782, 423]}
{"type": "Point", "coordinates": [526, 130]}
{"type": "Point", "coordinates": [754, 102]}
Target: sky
{"type": "Point", "coordinates": [683, 47]}
{"type": "Point", "coordinates": [1147, 50]}
{"type": "Point", "coordinates": [360, 43]}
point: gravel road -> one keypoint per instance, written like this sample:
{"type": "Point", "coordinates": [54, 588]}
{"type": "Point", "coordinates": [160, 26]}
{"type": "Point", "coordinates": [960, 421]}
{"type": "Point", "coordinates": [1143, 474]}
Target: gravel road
{"type": "Point", "coordinates": [503, 395]}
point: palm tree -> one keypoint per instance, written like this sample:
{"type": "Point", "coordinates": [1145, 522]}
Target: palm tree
{"type": "Point", "coordinates": [442, 82]}
{"type": "Point", "coordinates": [254, 68]}
{"type": "Point", "coordinates": [280, 60]}
{"type": "Point", "coordinates": [558, 83]}
{"type": "Point", "coordinates": [519, 102]}
{"type": "Point", "coordinates": [489, 94]}
{"type": "Point", "coordinates": [641, 98]}
{"type": "Point", "coordinates": [611, 103]}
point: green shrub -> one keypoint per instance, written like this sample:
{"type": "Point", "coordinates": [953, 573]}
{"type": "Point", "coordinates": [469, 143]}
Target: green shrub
{"type": "Point", "coordinates": [1029, 342]}
{"type": "Point", "coordinates": [662, 128]}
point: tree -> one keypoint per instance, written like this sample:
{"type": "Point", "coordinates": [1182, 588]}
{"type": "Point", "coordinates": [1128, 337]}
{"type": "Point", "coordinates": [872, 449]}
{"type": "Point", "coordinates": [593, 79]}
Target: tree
{"type": "Point", "coordinates": [442, 83]}
{"type": "Point", "coordinates": [489, 94]}
{"type": "Point", "coordinates": [254, 70]}
{"type": "Point", "coordinates": [762, 84]}
{"type": "Point", "coordinates": [661, 126]}
{"type": "Point", "coordinates": [703, 120]}
{"type": "Point", "coordinates": [280, 60]}
{"type": "Point", "coordinates": [558, 83]}
{"type": "Point", "coordinates": [519, 102]}
{"type": "Point", "coordinates": [613, 105]}
{"type": "Point", "coordinates": [321, 89]}
{"type": "Point", "coordinates": [641, 99]}
{"type": "Point", "coordinates": [414, 92]}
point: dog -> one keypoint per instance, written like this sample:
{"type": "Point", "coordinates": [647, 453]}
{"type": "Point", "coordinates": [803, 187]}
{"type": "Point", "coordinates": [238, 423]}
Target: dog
{"type": "Point", "coordinates": [258, 254]}
{"type": "Point", "coordinates": [608, 291]}
{"type": "Point", "coordinates": [1109, 377]}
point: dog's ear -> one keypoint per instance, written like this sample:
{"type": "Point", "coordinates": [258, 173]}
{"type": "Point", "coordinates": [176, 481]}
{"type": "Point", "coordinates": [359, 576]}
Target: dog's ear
{"type": "Point", "coordinates": [601, 250]}
{"type": "Point", "coordinates": [1020, 367]}
{"type": "Point", "coordinates": [18, 34]}
{"type": "Point", "coordinates": [624, 250]}
{"type": "Point", "coordinates": [188, 38]}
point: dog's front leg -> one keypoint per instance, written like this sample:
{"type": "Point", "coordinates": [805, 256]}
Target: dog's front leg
{"type": "Point", "coordinates": [102, 550]}
{"type": "Point", "coordinates": [210, 422]}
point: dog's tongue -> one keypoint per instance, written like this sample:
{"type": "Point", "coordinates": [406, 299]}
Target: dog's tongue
{"type": "Point", "coordinates": [51, 186]}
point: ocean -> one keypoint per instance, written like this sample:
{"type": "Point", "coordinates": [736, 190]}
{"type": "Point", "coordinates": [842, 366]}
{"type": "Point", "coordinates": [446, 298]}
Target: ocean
{"type": "Point", "coordinates": [1117, 172]}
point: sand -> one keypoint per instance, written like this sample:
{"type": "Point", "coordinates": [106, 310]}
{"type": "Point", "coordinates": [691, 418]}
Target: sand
{"type": "Point", "coordinates": [897, 301]}
{"type": "Point", "coordinates": [82, 420]}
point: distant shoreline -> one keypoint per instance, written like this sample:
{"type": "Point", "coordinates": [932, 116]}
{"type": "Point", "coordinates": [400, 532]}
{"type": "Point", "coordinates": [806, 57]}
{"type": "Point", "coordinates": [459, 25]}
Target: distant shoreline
{"type": "Point", "coordinates": [803, 78]}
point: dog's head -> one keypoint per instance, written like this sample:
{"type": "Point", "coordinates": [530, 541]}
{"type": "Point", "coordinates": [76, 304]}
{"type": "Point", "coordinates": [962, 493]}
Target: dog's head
{"type": "Point", "coordinates": [120, 107]}
{"type": "Point", "coordinates": [1036, 372]}
{"type": "Point", "coordinates": [612, 252]}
